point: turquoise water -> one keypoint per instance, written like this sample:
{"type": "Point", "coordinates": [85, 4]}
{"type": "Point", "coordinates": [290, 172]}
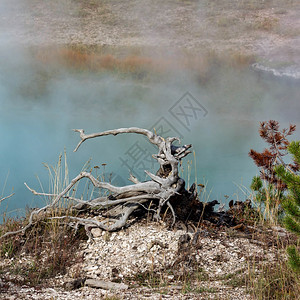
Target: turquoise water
{"type": "Point", "coordinates": [40, 105]}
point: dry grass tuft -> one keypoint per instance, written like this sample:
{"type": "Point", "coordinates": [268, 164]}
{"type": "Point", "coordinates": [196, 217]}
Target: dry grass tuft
{"type": "Point", "coordinates": [267, 23]}
{"type": "Point", "coordinates": [106, 62]}
{"type": "Point", "coordinates": [272, 280]}
{"type": "Point", "coordinates": [50, 246]}
{"type": "Point", "coordinates": [138, 65]}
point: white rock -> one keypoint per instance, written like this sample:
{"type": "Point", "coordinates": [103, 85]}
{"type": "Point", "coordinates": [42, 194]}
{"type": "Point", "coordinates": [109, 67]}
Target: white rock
{"type": "Point", "coordinates": [91, 268]}
{"type": "Point", "coordinates": [96, 232]}
{"type": "Point", "coordinates": [141, 248]}
{"type": "Point", "coordinates": [113, 236]}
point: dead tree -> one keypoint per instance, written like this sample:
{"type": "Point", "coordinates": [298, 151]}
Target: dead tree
{"type": "Point", "coordinates": [162, 187]}
{"type": "Point", "coordinates": [165, 191]}
{"type": "Point", "coordinates": [125, 200]}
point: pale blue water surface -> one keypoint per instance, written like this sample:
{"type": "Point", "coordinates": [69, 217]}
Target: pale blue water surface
{"type": "Point", "coordinates": [40, 105]}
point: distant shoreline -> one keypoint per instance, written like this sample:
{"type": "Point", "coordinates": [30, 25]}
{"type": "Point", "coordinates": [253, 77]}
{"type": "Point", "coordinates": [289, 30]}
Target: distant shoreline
{"type": "Point", "coordinates": [289, 72]}
{"type": "Point", "coordinates": [269, 31]}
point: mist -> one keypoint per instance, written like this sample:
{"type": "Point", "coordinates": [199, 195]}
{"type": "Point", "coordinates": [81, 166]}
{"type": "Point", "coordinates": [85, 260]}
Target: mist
{"type": "Point", "coordinates": [41, 103]}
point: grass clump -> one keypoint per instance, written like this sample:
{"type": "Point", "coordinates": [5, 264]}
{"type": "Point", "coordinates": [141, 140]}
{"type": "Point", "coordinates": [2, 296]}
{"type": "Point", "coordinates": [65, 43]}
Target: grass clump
{"type": "Point", "coordinates": [48, 247]}
{"type": "Point", "coordinates": [273, 281]}
{"type": "Point", "coordinates": [45, 250]}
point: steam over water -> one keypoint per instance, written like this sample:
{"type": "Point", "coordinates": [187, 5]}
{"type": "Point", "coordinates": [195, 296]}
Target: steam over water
{"type": "Point", "coordinates": [40, 105]}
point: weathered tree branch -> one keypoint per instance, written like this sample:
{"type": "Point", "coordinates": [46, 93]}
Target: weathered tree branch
{"type": "Point", "coordinates": [123, 201]}
{"type": "Point", "coordinates": [4, 198]}
{"type": "Point", "coordinates": [151, 136]}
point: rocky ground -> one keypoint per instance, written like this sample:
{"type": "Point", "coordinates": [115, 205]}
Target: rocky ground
{"type": "Point", "coordinates": [148, 261]}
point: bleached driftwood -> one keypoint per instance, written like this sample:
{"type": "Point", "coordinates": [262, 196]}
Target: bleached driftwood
{"type": "Point", "coordinates": [123, 201]}
{"type": "Point", "coordinates": [4, 198]}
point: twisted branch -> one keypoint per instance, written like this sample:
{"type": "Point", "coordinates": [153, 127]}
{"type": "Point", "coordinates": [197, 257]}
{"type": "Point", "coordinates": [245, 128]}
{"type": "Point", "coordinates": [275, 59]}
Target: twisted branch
{"type": "Point", "coordinates": [4, 198]}
{"type": "Point", "coordinates": [126, 199]}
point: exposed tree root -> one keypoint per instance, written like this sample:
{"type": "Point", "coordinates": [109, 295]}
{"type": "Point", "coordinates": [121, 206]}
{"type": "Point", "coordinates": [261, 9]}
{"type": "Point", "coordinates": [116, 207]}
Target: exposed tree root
{"type": "Point", "coordinates": [165, 192]}
{"type": "Point", "coordinates": [123, 201]}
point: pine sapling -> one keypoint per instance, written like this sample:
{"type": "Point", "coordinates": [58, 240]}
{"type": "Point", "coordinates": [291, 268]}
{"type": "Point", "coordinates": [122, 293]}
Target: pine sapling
{"type": "Point", "coordinates": [269, 188]}
{"type": "Point", "coordinates": [291, 204]}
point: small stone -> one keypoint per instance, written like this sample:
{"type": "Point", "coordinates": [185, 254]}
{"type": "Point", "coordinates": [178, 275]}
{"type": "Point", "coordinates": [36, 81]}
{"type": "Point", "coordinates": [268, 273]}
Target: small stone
{"type": "Point", "coordinates": [113, 236]}
{"type": "Point", "coordinates": [96, 232]}
{"type": "Point", "coordinates": [141, 248]}
{"type": "Point", "coordinates": [75, 284]}
{"type": "Point", "coordinates": [91, 268]}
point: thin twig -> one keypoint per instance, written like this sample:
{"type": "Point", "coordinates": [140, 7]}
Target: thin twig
{"type": "Point", "coordinates": [2, 199]}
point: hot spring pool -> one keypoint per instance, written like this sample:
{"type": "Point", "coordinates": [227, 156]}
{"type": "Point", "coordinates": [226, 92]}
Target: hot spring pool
{"type": "Point", "coordinates": [40, 105]}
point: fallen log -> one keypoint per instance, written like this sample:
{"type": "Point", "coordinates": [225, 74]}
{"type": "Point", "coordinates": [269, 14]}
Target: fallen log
{"type": "Point", "coordinates": [106, 285]}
